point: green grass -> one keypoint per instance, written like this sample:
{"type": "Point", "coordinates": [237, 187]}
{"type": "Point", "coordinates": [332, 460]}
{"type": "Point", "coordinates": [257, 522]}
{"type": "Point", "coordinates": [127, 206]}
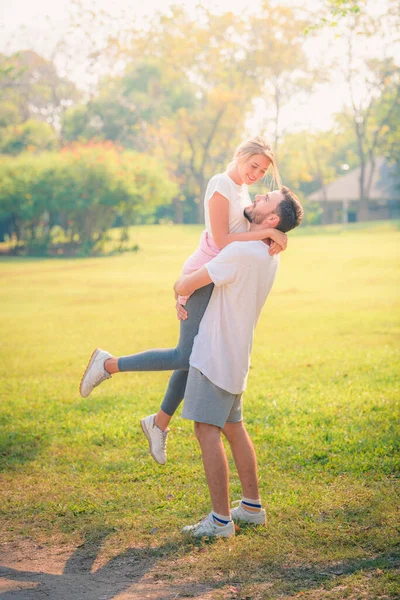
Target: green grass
{"type": "Point", "coordinates": [321, 407]}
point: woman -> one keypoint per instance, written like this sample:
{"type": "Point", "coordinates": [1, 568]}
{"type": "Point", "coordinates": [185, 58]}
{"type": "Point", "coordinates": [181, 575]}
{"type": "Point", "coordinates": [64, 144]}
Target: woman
{"type": "Point", "coordinates": [225, 200]}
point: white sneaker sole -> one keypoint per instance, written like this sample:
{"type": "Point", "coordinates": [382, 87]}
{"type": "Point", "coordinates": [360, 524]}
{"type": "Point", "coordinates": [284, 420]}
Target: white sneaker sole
{"type": "Point", "coordinates": [91, 361]}
{"type": "Point", "coordinates": [148, 436]}
{"type": "Point", "coordinates": [210, 536]}
{"type": "Point", "coordinates": [262, 521]}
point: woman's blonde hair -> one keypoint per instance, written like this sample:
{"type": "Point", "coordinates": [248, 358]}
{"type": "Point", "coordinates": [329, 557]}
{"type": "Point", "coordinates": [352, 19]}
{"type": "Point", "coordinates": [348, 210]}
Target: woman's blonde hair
{"type": "Point", "coordinates": [253, 146]}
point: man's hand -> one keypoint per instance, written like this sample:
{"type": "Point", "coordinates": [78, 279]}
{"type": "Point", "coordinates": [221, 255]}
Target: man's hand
{"type": "Point", "coordinates": [187, 284]}
{"type": "Point", "coordinates": [181, 312]}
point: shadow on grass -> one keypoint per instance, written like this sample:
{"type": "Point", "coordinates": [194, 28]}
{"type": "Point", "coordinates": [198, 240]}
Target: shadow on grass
{"type": "Point", "coordinates": [127, 572]}
{"type": "Point", "coordinates": [278, 578]}
{"type": "Point", "coordinates": [305, 579]}
{"type": "Point", "coordinates": [20, 447]}
{"type": "Point", "coordinates": [78, 582]}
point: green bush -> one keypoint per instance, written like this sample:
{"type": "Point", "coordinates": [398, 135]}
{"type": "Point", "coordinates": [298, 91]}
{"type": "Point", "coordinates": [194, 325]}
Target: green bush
{"type": "Point", "coordinates": [29, 136]}
{"type": "Point", "coordinates": [79, 191]}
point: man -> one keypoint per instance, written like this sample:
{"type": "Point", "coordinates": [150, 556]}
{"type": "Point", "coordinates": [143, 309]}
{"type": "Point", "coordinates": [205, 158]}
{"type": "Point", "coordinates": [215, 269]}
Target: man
{"type": "Point", "coordinates": [243, 274]}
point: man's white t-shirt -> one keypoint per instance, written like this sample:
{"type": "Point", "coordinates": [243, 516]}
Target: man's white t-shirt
{"type": "Point", "coordinates": [243, 274]}
{"type": "Point", "coordinates": [238, 197]}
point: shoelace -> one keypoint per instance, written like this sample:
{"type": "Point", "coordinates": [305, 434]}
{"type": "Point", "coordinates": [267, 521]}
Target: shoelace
{"type": "Point", "coordinates": [164, 435]}
{"type": "Point", "coordinates": [100, 377]}
{"type": "Point", "coordinates": [204, 522]}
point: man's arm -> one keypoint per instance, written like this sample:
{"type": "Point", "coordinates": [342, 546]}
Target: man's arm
{"type": "Point", "coordinates": [187, 284]}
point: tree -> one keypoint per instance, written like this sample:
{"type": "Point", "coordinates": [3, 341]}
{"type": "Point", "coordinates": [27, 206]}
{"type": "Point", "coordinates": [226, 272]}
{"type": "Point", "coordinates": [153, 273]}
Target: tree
{"type": "Point", "coordinates": [127, 105]}
{"type": "Point", "coordinates": [181, 97]}
{"type": "Point", "coordinates": [372, 74]}
{"type": "Point", "coordinates": [276, 59]}
{"type": "Point", "coordinates": [375, 76]}
{"type": "Point", "coordinates": [224, 65]}
{"type": "Point", "coordinates": [390, 134]}
{"type": "Point", "coordinates": [31, 85]}
{"type": "Point", "coordinates": [187, 98]}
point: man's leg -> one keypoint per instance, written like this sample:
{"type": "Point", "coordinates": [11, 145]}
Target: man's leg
{"type": "Point", "coordinates": [218, 522]}
{"type": "Point", "coordinates": [244, 457]}
{"type": "Point", "coordinates": [209, 407]}
{"type": "Point", "coordinates": [250, 509]}
{"type": "Point", "coordinates": [215, 466]}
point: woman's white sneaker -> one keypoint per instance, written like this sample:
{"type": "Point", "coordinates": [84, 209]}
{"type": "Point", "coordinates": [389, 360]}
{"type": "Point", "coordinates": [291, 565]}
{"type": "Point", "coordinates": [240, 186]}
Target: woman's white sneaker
{"type": "Point", "coordinates": [95, 372]}
{"type": "Point", "coordinates": [240, 514]}
{"type": "Point", "coordinates": [208, 528]}
{"type": "Point", "coordinates": [157, 439]}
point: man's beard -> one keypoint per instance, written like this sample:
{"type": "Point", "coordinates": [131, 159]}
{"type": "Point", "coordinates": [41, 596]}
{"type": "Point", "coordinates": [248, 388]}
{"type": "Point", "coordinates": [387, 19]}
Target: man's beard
{"type": "Point", "coordinates": [248, 216]}
{"type": "Point", "coordinates": [253, 217]}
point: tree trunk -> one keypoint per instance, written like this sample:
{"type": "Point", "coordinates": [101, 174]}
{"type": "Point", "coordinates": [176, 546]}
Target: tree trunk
{"type": "Point", "coordinates": [321, 178]}
{"type": "Point", "coordinates": [178, 205]}
{"type": "Point", "coordinates": [367, 187]}
{"type": "Point", "coordinates": [363, 202]}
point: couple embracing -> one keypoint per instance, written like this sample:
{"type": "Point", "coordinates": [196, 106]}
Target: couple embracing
{"type": "Point", "coordinates": [220, 294]}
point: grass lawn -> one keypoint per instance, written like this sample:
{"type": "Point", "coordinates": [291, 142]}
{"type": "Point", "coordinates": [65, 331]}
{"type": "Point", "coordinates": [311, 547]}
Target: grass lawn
{"type": "Point", "coordinates": [321, 406]}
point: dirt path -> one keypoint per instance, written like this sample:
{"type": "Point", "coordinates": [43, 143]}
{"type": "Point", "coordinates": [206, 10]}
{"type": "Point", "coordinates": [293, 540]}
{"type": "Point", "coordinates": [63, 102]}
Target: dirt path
{"type": "Point", "coordinates": [31, 572]}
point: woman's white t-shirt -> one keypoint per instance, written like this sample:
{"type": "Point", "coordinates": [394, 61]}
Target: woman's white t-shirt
{"type": "Point", "coordinates": [238, 197]}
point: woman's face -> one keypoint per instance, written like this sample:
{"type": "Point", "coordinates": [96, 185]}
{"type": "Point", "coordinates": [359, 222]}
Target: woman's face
{"type": "Point", "coordinates": [253, 169]}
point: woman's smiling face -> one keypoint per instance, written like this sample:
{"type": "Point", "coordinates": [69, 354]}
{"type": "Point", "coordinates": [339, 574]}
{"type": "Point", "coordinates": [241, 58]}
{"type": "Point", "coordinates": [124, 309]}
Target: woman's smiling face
{"type": "Point", "coordinates": [253, 169]}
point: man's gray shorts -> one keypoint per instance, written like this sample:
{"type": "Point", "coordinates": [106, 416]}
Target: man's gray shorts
{"type": "Point", "coordinates": [207, 403]}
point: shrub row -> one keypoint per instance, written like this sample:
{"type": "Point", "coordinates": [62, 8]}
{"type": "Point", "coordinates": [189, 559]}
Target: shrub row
{"type": "Point", "coordinates": [71, 198]}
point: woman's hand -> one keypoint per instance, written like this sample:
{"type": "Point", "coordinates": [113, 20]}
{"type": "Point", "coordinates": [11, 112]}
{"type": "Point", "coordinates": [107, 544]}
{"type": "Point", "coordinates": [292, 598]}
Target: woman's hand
{"type": "Point", "coordinates": [274, 248]}
{"type": "Point", "coordinates": [279, 238]}
{"type": "Point", "coordinates": [181, 312]}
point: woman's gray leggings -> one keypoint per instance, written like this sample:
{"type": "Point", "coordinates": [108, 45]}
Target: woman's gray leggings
{"type": "Point", "coordinates": [173, 359]}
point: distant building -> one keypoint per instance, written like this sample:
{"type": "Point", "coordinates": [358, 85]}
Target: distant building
{"type": "Point", "coordinates": [340, 200]}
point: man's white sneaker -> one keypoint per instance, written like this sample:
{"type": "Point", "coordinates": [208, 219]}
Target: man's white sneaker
{"type": "Point", "coordinates": [240, 514]}
{"type": "Point", "coordinates": [157, 439]}
{"type": "Point", "coordinates": [208, 528]}
{"type": "Point", "coordinates": [95, 372]}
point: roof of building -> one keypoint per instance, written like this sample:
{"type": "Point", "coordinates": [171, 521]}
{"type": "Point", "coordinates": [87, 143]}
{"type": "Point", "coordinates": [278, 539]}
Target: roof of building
{"type": "Point", "coordinates": [384, 185]}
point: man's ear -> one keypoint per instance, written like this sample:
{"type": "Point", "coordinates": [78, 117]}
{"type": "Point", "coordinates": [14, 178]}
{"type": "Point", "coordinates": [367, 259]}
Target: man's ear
{"type": "Point", "coordinates": [272, 220]}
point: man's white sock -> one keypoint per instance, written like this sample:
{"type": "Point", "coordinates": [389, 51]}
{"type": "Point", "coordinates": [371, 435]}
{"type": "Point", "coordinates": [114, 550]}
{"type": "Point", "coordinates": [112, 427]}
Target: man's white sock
{"type": "Point", "coordinates": [251, 505]}
{"type": "Point", "coordinates": [221, 520]}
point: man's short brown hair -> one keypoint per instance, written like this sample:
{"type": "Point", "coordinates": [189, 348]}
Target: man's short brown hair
{"type": "Point", "coordinates": [289, 210]}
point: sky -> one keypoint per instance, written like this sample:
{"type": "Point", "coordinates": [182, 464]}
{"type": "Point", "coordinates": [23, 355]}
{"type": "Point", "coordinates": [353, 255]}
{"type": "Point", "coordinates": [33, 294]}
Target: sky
{"type": "Point", "coordinates": [39, 23]}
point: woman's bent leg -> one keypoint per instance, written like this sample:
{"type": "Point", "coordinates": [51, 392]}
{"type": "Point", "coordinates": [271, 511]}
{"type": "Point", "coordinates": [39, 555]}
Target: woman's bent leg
{"type": "Point", "coordinates": [196, 307]}
{"type": "Point", "coordinates": [172, 359]}
{"type": "Point", "coordinates": [155, 427]}
{"type": "Point", "coordinates": [175, 391]}
{"type": "Point", "coordinates": [159, 359]}
{"type": "Point", "coordinates": [102, 364]}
